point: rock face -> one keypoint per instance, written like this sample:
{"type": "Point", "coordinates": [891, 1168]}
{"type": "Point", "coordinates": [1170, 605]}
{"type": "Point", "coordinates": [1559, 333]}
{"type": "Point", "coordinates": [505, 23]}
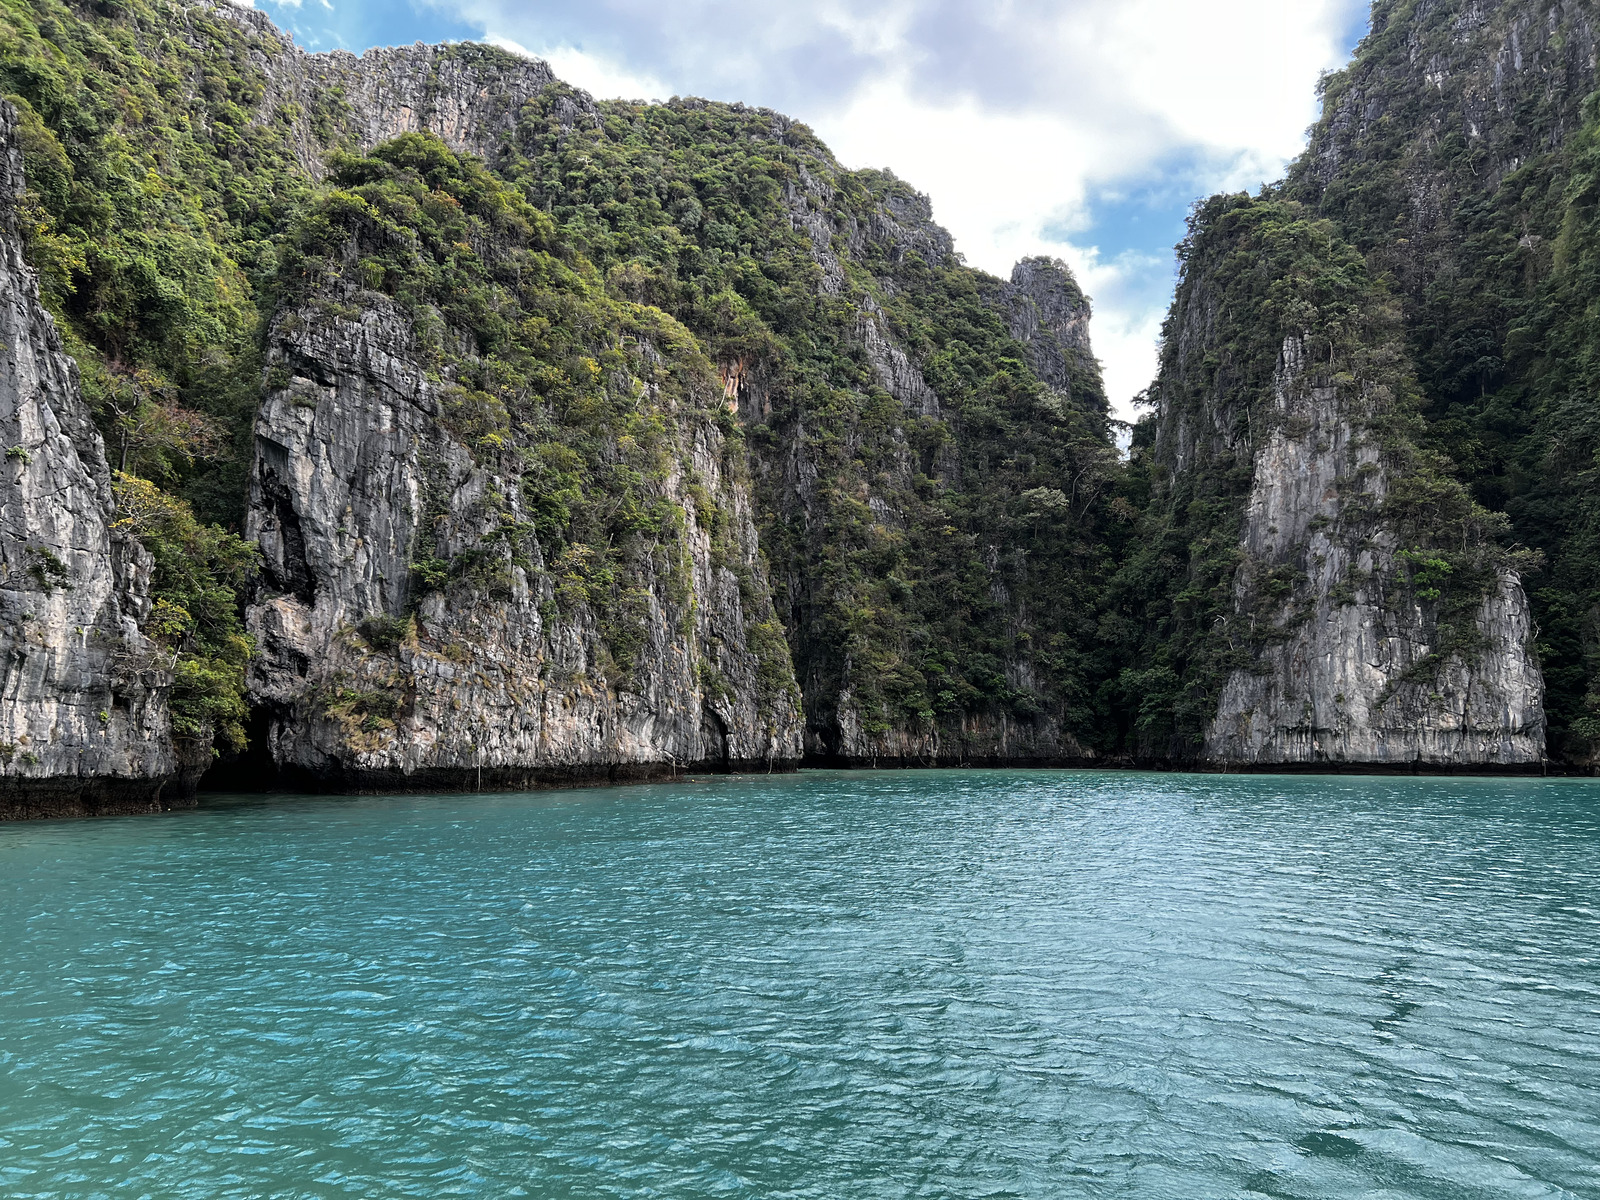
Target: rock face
{"type": "Point", "coordinates": [1045, 311]}
{"type": "Point", "coordinates": [1350, 677]}
{"type": "Point", "coordinates": [471, 96]}
{"type": "Point", "coordinates": [372, 682]}
{"type": "Point", "coordinates": [924, 452]}
{"type": "Point", "coordinates": [365, 682]}
{"type": "Point", "coordinates": [1505, 77]}
{"type": "Point", "coordinates": [1452, 151]}
{"type": "Point", "coordinates": [1373, 619]}
{"type": "Point", "coordinates": [83, 712]}
{"type": "Point", "coordinates": [1048, 313]}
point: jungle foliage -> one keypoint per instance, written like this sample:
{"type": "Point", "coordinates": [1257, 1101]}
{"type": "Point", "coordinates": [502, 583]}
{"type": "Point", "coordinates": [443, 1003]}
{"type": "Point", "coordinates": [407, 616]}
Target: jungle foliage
{"type": "Point", "coordinates": [1255, 272]}
{"type": "Point", "coordinates": [1553, 467]}
{"type": "Point", "coordinates": [570, 393]}
{"type": "Point", "coordinates": [197, 590]}
{"type": "Point", "coordinates": [987, 558]}
{"type": "Point", "coordinates": [926, 556]}
{"type": "Point", "coordinates": [1480, 215]}
{"type": "Point", "coordinates": [155, 199]}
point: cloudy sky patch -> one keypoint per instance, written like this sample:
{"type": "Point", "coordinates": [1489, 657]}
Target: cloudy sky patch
{"type": "Point", "coordinates": [1080, 128]}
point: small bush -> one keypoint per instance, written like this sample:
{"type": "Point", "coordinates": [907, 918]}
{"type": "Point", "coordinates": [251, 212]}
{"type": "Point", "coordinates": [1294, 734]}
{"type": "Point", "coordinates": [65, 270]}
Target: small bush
{"type": "Point", "coordinates": [385, 633]}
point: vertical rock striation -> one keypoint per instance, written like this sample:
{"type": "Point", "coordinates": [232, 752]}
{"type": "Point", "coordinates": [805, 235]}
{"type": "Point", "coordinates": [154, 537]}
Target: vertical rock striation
{"type": "Point", "coordinates": [1455, 151]}
{"type": "Point", "coordinates": [1346, 603]}
{"type": "Point", "coordinates": [1047, 312]}
{"type": "Point", "coordinates": [505, 673]}
{"type": "Point", "coordinates": [1348, 668]}
{"type": "Point", "coordinates": [866, 235]}
{"type": "Point", "coordinates": [470, 96]}
{"type": "Point", "coordinates": [83, 714]}
{"type": "Point", "coordinates": [1502, 80]}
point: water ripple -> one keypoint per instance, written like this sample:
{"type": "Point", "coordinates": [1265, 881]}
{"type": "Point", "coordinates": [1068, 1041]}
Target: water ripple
{"type": "Point", "coordinates": [958, 984]}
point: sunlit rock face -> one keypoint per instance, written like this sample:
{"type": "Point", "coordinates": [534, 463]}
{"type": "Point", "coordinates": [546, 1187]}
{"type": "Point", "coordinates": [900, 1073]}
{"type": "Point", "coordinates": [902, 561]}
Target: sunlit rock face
{"type": "Point", "coordinates": [83, 710]}
{"type": "Point", "coordinates": [360, 386]}
{"type": "Point", "coordinates": [1350, 635]}
{"type": "Point", "coordinates": [1352, 674]}
{"type": "Point", "coordinates": [375, 683]}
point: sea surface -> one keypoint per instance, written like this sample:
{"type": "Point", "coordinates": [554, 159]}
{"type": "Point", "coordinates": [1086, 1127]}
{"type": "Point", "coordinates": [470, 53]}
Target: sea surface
{"type": "Point", "coordinates": [832, 985]}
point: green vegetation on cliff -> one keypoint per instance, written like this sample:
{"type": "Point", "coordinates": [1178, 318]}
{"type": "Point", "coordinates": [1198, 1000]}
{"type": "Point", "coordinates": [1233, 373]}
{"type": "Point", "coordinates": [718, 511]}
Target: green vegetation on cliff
{"type": "Point", "coordinates": [1468, 185]}
{"type": "Point", "coordinates": [929, 565]}
{"type": "Point", "coordinates": [919, 558]}
{"type": "Point", "coordinates": [1553, 380]}
{"type": "Point", "coordinates": [1257, 273]}
{"type": "Point", "coordinates": [953, 542]}
{"type": "Point", "coordinates": [565, 390]}
{"type": "Point", "coordinates": [157, 192]}
{"type": "Point", "coordinates": [153, 202]}
{"type": "Point", "coordinates": [201, 572]}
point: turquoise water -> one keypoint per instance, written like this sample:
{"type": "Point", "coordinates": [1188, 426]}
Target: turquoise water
{"type": "Point", "coordinates": [956, 984]}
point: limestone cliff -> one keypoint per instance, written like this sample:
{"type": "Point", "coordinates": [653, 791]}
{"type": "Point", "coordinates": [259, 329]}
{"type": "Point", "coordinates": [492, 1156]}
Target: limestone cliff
{"type": "Point", "coordinates": [859, 475]}
{"type": "Point", "coordinates": [872, 694]}
{"type": "Point", "coordinates": [1441, 104]}
{"type": "Point", "coordinates": [894, 532]}
{"type": "Point", "coordinates": [83, 694]}
{"type": "Point", "coordinates": [1352, 670]}
{"type": "Point", "coordinates": [1454, 152]}
{"type": "Point", "coordinates": [1047, 312]}
{"type": "Point", "coordinates": [425, 622]}
{"type": "Point", "coordinates": [599, 439]}
{"type": "Point", "coordinates": [1346, 603]}
{"type": "Point", "coordinates": [471, 96]}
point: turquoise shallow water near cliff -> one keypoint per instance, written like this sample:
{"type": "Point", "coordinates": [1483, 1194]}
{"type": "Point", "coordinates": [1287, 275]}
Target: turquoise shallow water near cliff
{"type": "Point", "coordinates": [953, 984]}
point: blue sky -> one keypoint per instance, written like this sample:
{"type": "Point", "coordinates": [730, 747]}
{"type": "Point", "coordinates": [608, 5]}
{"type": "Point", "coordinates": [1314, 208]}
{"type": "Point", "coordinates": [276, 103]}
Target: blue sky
{"type": "Point", "coordinates": [1080, 128]}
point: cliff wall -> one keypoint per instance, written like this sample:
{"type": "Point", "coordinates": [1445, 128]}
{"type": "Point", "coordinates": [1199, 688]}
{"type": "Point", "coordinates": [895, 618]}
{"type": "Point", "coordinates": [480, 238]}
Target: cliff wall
{"type": "Point", "coordinates": [1454, 152]}
{"type": "Point", "coordinates": [1045, 314]}
{"type": "Point", "coordinates": [487, 680]}
{"type": "Point", "coordinates": [1344, 602]}
{"type": "Point", "coordinates": [1048, 314]}
{"type": "Point", "coordinates": [894, 423]}
{"type": "Point", "coordinates": [908, 518]}
{"type": "Point", "coordinates": [469, 96]}
{"type": "Point", "coordinates": [84, 726]}
{"type": "Point", "coordinates": [808, 460]}
{"type": "Point", "coordinates": [1442, 103]}
{"type": "Point", "coordinates": [426, 621]}
{"type": "Point", "coordinates": [586, 440]}
{"type": "Point", "coordinates": [1352, 667]}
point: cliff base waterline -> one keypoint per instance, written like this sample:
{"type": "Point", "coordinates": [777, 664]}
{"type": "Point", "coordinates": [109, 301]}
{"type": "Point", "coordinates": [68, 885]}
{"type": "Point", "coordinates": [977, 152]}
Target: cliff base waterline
{"type": "Point", "coordinates": [490, 779]}
{"type": "Point", "coordinates": [58, 798]}
{"type": "Point", "coordinates": [1200, 767]}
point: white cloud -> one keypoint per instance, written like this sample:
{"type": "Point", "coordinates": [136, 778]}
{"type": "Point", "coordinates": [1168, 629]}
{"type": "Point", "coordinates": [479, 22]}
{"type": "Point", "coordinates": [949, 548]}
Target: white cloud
{"type": "Point", "coordinates": [589, 72]}
{"type": "Point", "coordinates": [1024, 120]}
{"type": "Point", "coordinates": [1229, 86]}
{"type": "Point", "coordinates": [998, 182]}
{"type": "Point", "coordinates": [1125, 334]}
